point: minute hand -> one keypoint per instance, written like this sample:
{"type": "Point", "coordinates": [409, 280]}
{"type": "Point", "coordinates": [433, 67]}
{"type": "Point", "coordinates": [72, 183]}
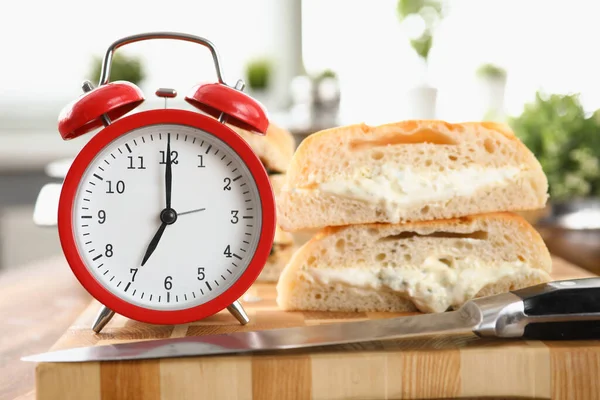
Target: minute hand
{"type": "Point", "coordinates": [168, 173]}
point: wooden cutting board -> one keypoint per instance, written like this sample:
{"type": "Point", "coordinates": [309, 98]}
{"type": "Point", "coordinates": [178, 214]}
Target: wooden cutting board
{"type": "Point", "coordinates": [457, 367]}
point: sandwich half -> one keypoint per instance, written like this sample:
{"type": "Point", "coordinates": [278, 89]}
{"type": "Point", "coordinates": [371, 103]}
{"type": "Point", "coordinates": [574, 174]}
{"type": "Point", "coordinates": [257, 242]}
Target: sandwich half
{"type": "Point", "coordinates": [275, 149]}
{"type": "Point", "coordinates": [408, 171]}
{"type": "Point", "coordinates": [427, 266]}
{"type": "Point", "coordinates": [283, 244]}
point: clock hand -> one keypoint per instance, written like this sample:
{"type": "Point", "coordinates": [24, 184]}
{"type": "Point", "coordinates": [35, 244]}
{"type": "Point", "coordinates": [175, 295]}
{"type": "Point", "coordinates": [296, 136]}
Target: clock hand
{"type": "Point", "coordinates": [154, 243]}
{"type": "Point", "coordinates": [191, 211]}
{"type": "Point", "coordinates": [168, 173]}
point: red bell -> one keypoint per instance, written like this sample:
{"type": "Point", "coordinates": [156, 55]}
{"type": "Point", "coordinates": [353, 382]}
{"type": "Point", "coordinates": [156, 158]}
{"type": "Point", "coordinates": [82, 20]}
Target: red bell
{"type": "Point", "coordinates": [113, 100]}
{"type": "Point", "coordinates": [241, 110]}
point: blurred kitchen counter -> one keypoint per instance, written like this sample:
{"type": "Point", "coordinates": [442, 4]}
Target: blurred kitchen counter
{"type": "Point", "coordinates": [579, 247]}
{"type": "Point", "coordinates": [37, 303]}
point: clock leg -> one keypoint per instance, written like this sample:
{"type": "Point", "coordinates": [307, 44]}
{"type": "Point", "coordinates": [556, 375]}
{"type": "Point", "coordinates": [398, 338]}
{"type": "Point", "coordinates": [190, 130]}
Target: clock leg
{"type": "Point", "coordinates": [102, 319]}
{"type": "Point", "coordinates": [238, 312]}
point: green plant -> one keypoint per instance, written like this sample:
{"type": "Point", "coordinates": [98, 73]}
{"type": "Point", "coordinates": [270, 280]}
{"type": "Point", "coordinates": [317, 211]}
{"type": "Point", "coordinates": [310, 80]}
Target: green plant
{"type": "Point", "coordinates": [491, 71]}
{"type": "Point", "coordinates": [258, 74]}
{"type": "Point", "coordinates": [327, 73]}
{"type": "Point", "coordinates": [566, 141]}
{"type": "Point", "coordinates": [430, 13]}
{"type": "Point", "coordinates": [124, 68]}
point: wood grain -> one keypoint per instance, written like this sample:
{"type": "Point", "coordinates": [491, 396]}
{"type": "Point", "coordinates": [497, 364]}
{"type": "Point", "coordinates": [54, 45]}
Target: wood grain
{"type": "Point", "coordinates": [187, 378]}
{"type": "Point", "coordinates": [38, 302]}
{"type": "Point", "coordinates": [276, 378]}
{"type": "Point", "coordinates": [349, 376]}
{"type": "Point", "coordinates": [130, 379]}
{"type": "Point", "coordinates": [435, 367]}
{"type": "Point", "coordinates": [520, 369]}
{"type": "Point", "coordinates": [423, 375]}
{"type": "Point", "coordinates": [582, 362]}
{"type": "Point", "coordinates": [82, 380]}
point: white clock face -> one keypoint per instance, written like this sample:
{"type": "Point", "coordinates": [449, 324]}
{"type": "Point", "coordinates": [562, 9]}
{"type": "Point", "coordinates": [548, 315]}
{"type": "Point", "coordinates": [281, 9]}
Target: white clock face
{"type": "Point", "coordinates": [117, 213]}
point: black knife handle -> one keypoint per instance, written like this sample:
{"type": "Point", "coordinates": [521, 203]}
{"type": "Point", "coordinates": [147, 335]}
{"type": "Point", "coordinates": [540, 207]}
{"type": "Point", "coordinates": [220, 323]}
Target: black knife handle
{"type": "Point", "coordinates": [558, 310]}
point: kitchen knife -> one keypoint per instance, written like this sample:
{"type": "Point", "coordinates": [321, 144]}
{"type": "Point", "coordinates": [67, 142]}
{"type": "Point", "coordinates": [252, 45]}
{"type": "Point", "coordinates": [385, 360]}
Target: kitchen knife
{"type": "Point", "coordinates": [558, 310]}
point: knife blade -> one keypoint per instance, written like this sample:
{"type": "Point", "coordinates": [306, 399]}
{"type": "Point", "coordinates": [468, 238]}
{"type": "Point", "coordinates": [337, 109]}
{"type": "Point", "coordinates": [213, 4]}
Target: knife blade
{"type": "Point", "coordinates": [557, 310]}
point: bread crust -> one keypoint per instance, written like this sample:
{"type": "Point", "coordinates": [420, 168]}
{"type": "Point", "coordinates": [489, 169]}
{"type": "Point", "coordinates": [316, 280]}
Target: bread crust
{"type": "Point", "coordinates": [506, 236]}
{"type": "Point", "coordinates": [281, 236]}
{"type": "Point", "coordinates": [356, 152]}
{"type": "Point", "coordinates": [275, 149]}
{"type": "Point", "coordinates": [276, 262]}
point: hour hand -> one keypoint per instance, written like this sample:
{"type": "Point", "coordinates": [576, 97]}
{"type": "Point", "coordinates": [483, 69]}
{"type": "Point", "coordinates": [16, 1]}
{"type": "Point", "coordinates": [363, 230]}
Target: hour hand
{"type": "Point", "coordinates": [154, 243]}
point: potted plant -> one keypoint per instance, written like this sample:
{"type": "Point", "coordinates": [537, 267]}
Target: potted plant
{"type": "Point", "coordinates": [421, 18]}
{"type": "Point", "coordinates": [326, 99]}
{"type": "Point", "coordinates": [259, 76]}
{"type": "Point", "coordinates": [124, 68]}
{"type": "Point", "coordinates": [566, 141]}
{"type": "Point", "coordinates": [492, 85]}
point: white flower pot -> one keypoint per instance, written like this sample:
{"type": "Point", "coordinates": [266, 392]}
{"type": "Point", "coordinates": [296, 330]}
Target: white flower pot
{"type": "Point", "coordinates": [491, 95]}
{"type": "Point", "coordinates": [422, 102]}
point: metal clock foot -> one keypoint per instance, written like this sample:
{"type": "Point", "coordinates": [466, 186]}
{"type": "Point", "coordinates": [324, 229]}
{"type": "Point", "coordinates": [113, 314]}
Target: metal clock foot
{"type": "Point", "coordinates": [102, 319]}
{"type": "Point", "coordinates": [238, 312]}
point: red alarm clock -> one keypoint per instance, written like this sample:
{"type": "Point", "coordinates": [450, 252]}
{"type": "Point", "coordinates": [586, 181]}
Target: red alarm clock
{"type": "Point", "coordinates": [166, 216]}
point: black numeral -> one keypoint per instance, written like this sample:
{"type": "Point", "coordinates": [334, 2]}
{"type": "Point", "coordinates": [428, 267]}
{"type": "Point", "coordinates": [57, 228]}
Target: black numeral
{"type": "Point", "coordinates": [227, 252]}
{"type": "Point", "coordinates": [201, 275]}
{"type": "Point", "coordinates": [133, 271]}
{"type": "Point", "coordinates": [141, 160]}
{"type": "Point", "coordinates": [168, 282]}
{"type": "Point", "coordinates": [174, 155]}
{"type": "Point", "coordinates": [234, 218]}
{"type": "Point", "coordinates": [227, 184]}
{"type": "Point", "coordinates": [201, 162]}
{"type": "Point", "coordinates": [101, 216]}
{"type": "Point", "coordinates": [119, 187]}
{"type": "Point", "coordinates": [108, 251]}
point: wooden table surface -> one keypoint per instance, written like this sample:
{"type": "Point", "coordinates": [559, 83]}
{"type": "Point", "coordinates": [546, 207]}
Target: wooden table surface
{"type": "Point", "coordinates": [37, 304]}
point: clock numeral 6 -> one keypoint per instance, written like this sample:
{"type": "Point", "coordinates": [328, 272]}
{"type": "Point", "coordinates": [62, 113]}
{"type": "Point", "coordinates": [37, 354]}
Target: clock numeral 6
{"type": "Point", "coordinates": [234, 218]}
{"type": "Point", "coordinates": [108, 250]}
{"type": "Point", "coordinates": [119, 187]}
{"type": "Point", "coordinates": [227, 252]}
{"type": "Point", "coordinates": [174, 155]}
{"type": "Point", "coordinates": [168, 282]}
{"type": "Point", "coordinates": [134, 272]}
{"type": "Point", "coordinates": [101, 217]}
{"type": "Point", "coordinates": [201, 275]}
{"type": "Point", "coordinates": [227, 184]}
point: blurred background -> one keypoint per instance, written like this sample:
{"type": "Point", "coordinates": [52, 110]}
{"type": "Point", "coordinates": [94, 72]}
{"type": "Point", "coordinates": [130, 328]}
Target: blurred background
{"type": "Point", "coordinates": [315, 64]}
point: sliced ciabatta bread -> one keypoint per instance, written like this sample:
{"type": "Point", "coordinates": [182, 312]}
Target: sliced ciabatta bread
{"type": "Point", "coordinates": [408, 171]}
{"type": "Point", "coordinates": [279, 257]}
{"type": "Point", "coordinates": [283, 243]}
{"type": "Point", "coordinates": [281, 236]}
{"type": "Point", "coordinates": [275, 149]}
{"type": "Point", "coordinates": [429, 266]}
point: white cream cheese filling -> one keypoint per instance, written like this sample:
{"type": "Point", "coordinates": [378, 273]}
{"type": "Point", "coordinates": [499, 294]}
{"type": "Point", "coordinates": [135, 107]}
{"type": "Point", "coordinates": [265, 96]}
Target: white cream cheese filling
{"type": "Point", "coordinates": [398, 188]}
{"type": "Point", "coordinates": [433, 287]}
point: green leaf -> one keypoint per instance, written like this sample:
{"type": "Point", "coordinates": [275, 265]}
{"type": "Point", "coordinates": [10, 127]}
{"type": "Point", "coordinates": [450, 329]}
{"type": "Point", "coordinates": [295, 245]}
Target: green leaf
{"type": "Point", "coordinates": [565, 140]}
{"type": "Point", "coordinates": [491, 71]}
{"type": "Point", "coordinates": [422, 45]}
{"type": "Point", "coordinates": [258, 74]}
{"type": "Point", "coordinates": [124, 68]}
{"type": "Point", "coordinates": [408, 7]}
